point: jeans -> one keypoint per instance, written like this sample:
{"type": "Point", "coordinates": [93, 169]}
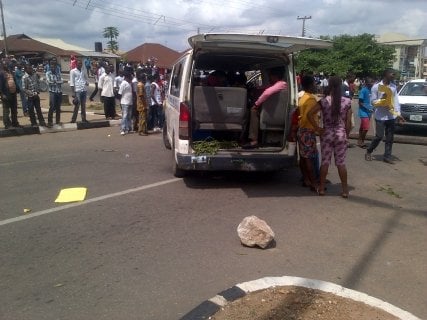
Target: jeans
{"type": "Point", "coordinates": [126, 125]}
{"type": "Point", "coordinates": [383, 127]}
{"type": "Point", "coordinates": [155, 116]}
{"type": "Point", "coordinates": [23, 101]}
{"type": "Point", "coordinates": [34, 103]}
{"type": "Point", "coordinates": [55, 100]}
{"type": "Point", "coordinates": [81, 97]}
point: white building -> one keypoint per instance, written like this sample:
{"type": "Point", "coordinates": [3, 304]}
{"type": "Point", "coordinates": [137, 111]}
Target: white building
{"type": "Point", "coordinates": [410, 55]}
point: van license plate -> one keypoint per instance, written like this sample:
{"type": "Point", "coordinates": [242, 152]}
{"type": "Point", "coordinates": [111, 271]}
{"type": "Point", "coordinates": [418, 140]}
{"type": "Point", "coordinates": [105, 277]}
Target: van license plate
{"type": "Point", "coordinates": [199, 159]}
{"type": "Point", "coordinates": [416, 117]}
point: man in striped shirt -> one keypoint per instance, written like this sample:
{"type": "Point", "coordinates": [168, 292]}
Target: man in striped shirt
{"type": "Point", "coordinates": [54, 80]}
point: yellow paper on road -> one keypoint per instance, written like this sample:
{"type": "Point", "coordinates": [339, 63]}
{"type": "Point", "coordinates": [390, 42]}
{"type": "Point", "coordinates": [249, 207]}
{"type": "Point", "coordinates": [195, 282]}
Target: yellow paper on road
{"type": "Point", "coordinates": [71, 195]}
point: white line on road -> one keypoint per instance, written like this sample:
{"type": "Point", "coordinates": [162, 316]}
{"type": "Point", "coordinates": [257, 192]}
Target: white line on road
{"type": "Point", "coordinates": [77, 204]}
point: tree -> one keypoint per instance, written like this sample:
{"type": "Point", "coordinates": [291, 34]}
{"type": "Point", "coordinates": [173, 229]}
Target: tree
{"type": "Point", "coordinates": [111, 33]}
{"type": "Point", "coordinates": [360, 55]}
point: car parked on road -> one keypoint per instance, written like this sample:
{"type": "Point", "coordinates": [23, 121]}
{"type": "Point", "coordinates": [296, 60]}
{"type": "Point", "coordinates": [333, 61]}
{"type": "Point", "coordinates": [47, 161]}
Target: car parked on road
{"type": "Point", "coordinates": [413, 103]}
{"type": "Point", "coordinates": [206, 106]}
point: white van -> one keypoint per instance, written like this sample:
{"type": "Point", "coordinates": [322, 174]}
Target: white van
{"type": "Point", "coordinates": [206, 120]}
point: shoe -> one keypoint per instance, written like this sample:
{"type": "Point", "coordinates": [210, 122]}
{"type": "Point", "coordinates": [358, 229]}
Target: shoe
{"type": "Point", "coordinates": [363, 146]}
{"type": "Point", "coordinates": [344, 195]}
{"type": "Point", "coordinates": [143, 133]}
{"type": "Point", "coordinates": [122, 133]}
{"type": "Point", "coordinates": [388, 160]}
{"type": "Point", "coordinates": [368, 156]}
{"type": "Point", "coordinates": [50, 125]}
{"type": "Point", "coordinates": [43, 124]}
{"type": "Point", "coordinates": [73, 121]}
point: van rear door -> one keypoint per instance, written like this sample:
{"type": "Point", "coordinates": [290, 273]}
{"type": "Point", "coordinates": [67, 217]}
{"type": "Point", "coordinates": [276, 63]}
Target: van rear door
{"type": "Point", "coordinates": [266, 43]}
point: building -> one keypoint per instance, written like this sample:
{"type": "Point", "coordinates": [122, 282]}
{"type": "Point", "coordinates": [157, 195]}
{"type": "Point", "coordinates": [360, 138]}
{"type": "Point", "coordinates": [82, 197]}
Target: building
{"type": "Point", "coordinates": [164, 57]}
{"type": "Point", "coordinates": [40, 50]}
{"type": "Point", "coordinates": [410, 56]}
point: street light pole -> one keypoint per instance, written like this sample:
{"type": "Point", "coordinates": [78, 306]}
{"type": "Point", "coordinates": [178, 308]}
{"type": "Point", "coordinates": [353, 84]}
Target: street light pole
{"type": "Point", "coordinates": [4, 29]}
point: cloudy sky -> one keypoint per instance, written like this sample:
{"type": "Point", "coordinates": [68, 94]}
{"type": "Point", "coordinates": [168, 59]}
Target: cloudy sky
{"type": "Point", "coordinates": [170, 22]}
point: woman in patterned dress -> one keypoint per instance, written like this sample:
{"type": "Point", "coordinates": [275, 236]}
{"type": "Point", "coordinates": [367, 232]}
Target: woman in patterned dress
{"type": "Point", "coordinates": [336, 115]}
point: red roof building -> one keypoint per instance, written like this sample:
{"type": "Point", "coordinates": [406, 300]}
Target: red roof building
{"type": "Point", "coordinates": [164, 56]}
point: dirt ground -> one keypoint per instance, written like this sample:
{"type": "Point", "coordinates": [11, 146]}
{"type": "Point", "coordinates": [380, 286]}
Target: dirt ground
{"type": "Point", "coordinates": [298, 303]}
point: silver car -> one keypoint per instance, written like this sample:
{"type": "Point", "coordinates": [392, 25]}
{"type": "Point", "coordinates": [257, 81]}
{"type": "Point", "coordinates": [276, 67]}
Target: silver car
{"type": "Point", "coordinates": [413, 103]}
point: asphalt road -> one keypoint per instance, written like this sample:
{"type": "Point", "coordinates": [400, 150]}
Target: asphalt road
{"type": "Point", "coordinates": [147, 246]}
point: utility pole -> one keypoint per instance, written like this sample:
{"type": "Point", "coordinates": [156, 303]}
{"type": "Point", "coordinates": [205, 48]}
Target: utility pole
{"type": "Point", "coordinates": [4, 29]}
{"type": "Point", "coordinates": [303, 24]}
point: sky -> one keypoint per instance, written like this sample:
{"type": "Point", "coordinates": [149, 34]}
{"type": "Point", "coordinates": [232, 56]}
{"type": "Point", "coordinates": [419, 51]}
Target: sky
{"type": "Point", "coordinates": [171, 22]}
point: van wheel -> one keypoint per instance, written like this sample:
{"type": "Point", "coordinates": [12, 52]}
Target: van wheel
{"type": "Point", "coordinates": [177, 172]}
{"type": "Point", "coordinates": [165, 137]}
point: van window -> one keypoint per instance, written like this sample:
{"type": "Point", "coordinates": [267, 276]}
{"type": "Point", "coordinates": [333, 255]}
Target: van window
{"type": "Point", "coordinates": [176, 79]}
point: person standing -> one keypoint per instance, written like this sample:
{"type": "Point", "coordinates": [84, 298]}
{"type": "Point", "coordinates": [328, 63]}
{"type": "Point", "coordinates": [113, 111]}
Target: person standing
{"type": "Point", "coordinates": [336, 115]}
{"type": "Point", "coordinates": [156, 107]}
{"type": "Point", "coordinates": [78, 84]}
{"type": "Point", "coordinates": [31, 88]}
{"type": "Point", "coordinates": [19, 74]}
{"type": "Point", "coordinates": [98, 73]}
{"type": "Point", "coordinates": [150, 116]}
{"type": "Point", "coordinates": [106, 84]}
{"type": "Point", "coordinates": [141, 104]}
{"type": "Point", "coordinates": [365, 111]}
{"type": "Point", "coordinates": [387, 110]}
{"type": "Point", "coordinates": [306, 135]}
{"type": "Point", "coordinates": [54, 80]}
{"type": "Point", "coordinates": [8, 91]}
{"type": "Point", "coordinates": [126, 97]}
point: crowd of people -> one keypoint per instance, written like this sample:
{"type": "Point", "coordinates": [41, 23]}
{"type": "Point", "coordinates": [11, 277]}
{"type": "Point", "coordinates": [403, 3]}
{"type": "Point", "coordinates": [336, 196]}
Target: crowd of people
{"type": "Point", "coordinates": [330, 118]}
{"type": "Point", "coordinates": [139, 90]}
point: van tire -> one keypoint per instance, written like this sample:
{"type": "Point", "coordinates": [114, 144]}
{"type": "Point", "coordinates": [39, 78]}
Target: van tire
{"type": "Point", "coordinates": [166, 141]}
{"type": "Point", "coordinates": [177, 172]}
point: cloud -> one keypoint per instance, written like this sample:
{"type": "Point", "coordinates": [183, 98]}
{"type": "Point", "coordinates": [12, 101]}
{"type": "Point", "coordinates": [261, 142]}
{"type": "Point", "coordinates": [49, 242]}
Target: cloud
{"type": "Point", "coordinates": [171, 22]}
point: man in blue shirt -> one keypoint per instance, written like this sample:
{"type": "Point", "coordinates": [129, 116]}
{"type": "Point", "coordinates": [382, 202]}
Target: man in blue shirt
{"type": "Point", "coordinates": [365, 111]}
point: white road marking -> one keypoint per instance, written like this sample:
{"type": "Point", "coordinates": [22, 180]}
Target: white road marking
{"type": "Point", "coordinates": [77, 204]}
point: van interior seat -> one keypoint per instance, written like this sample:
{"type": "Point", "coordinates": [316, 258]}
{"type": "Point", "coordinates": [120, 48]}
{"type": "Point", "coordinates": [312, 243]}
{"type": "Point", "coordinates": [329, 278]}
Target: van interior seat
{"type": "Point", "coordinates": [273, 113]}
{"type": "Point", "coordinates": [219, 108]}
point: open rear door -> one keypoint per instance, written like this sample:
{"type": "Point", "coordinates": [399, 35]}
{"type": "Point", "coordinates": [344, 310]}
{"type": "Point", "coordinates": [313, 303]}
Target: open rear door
{"type": "Point", "coordinates": [266, 43]}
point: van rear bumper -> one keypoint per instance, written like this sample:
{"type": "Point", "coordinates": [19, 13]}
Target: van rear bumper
{"type": "Point", "coordinates": [235, 162]}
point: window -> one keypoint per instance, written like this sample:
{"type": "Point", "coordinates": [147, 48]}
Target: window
{"type": "Point", "coordinates": [176, 79]}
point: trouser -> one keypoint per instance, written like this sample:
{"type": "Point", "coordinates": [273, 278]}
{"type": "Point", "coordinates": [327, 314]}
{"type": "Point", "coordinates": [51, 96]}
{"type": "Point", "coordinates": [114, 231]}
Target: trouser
{"type": "Point", "coordinates": [254, 125]}
{"type": "Point", "coordinates": [81, 101]}
{"type": "Point", "coordinates": [94, 92]}
{"type": "Point", "coordinates": [23, 101]}
{"type": "Point", "coordinates": [383, 127]}
{"type": "Point", "coordinates": [126, 125]}
{"type": "Point", "coordinates": [142, 125]}
{"type": "Point", "coordinates": [34, 103]}
{"type": "Point", "coordinates": [55, 100]}
{"type": "Point", "coordinates": [10, 107]}
{"type": "Point", "coordinates": [109, 107]}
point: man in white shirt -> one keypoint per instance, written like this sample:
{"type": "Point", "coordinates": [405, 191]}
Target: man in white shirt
{"type": "Point", "coordinates": [78, 85]}
{"type": "Point", "coordinates": [126, 98]}
{"type": "Point", "coordinates": [106, 84]}
{"type": "Point", "coordinates": [387, 111]}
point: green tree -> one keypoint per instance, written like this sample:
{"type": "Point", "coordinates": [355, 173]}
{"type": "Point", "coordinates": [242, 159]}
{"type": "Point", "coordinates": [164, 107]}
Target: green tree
{"type": "Point", "coordinates": [360, 55]}
{"type": "Point", "coordinates": [112, 34]}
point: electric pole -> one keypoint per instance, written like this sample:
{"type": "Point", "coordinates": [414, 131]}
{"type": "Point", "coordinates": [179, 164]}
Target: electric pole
{"type": "Point", "coordinates": [4, 29]}
{"type": "Point", "coordinates": [303, 23]}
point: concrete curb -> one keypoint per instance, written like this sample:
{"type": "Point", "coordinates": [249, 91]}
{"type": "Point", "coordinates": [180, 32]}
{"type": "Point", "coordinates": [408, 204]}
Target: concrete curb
{"type": "Point", "coordinates": [209, 307]}
{"type": "Point", "coordinates": [59, 128]}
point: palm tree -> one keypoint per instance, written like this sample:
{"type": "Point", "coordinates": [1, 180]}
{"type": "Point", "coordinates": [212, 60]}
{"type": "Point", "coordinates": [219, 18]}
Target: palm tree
{"type": "Point", "coordinates": [111, 33]}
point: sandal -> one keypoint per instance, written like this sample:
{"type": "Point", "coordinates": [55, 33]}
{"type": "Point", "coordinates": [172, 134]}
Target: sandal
{"type": "Point", "coordinates": [344, 195]}
{"type": "Point", "coordinates": [368, 156]}
{"type": "Point", "coordinates": [320, 192]}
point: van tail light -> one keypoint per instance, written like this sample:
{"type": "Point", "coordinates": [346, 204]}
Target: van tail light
{"type": "Point", "coordinates": [184, 121]}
